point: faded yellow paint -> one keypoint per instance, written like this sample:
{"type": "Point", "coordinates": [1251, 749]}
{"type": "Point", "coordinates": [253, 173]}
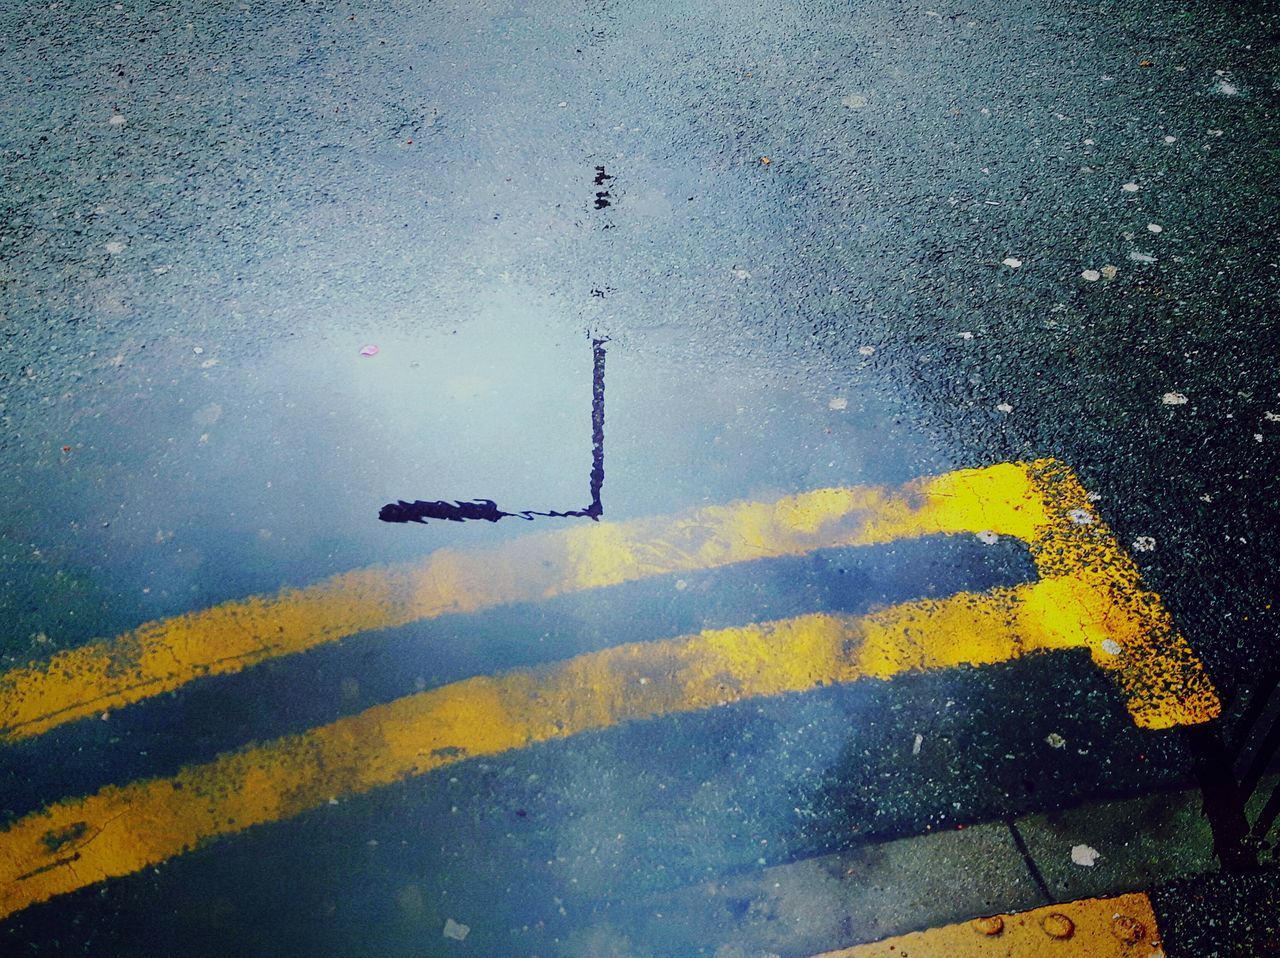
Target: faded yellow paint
{"type": "Point", "coordinates": [158, 657]}
{"type": "Point", "coordinates": [1121, 927]}
{"type": "Point", "coordinates": [120, 830]}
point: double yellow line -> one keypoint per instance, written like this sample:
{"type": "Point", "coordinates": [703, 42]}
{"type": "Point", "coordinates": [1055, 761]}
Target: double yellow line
{"type": "Point", "coordinates": [1088, 595]}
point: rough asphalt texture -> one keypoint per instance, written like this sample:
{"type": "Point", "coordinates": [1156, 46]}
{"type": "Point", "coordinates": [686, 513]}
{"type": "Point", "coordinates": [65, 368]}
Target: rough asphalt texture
{"type": "Point", "coordinates": [208, 208]}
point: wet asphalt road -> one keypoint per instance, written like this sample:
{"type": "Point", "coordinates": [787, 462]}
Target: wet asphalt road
{"type": "Point", "coordinates": [209, 209]}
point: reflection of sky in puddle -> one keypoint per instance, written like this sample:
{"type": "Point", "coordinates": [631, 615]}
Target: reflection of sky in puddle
{"type": "Point", "coordinates": [269, 468]}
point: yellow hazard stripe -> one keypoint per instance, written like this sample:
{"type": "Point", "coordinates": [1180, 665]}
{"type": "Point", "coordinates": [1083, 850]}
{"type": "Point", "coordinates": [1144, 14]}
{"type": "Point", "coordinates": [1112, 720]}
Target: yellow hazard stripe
{"type": "Point", "coordinates": [1039, 503]}
{"type": "Point", "coordinates": [1120, 927]}
{"type": "Point", "coordinates": [120, 830]}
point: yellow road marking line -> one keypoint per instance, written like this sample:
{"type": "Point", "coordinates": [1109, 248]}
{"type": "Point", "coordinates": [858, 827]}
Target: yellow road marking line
{"type": "Point", "coordinates": [1121, 927]}
{"type": "Point", "coordinates": [120, 830]}
{"type": "Point", "coordinates": [1040, 503]}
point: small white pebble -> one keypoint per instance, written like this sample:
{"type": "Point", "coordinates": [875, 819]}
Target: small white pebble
{"type": "Point", "coordinates": [1215, 132]}
{"type": "Point", "coordinates": [1138, 257]}
{"type": "Point", "coordinates": [915, 746]}
{"type": "Point", "coordinates": [1091, 275]}
{"type": "Point", "coordinates": [1144, 544]}
{"type": "Point", "coordinates": [1171, 139]}
{"type": "Point", "coordinates": [1084, 855]}
{"type": "Point", "coordinates": [1174, 399]}
{"type": "Point", "coordinates": [455, 930]}
{"type": "Point", "coordinates": [114, 247]}
{"type": "Point", "coordinates": [1131, 187]}
{"type": "Point", "coordinates": [1004, 407]}
{"type": "Point", "coordinates": [1080, 517]}
{"type": "Point", "coordinates": [1012, 262]}
{"type": "Point", "coordinates": [1055, 740]}
{"type": "Point", "coordinates": [1225, 88]}
{"type": "Point", "coordinates": [837, 403]}
{"type": "Point", "coordinates": [854, 101]}
{"type": "Point", "coordinates": [866, 350]}
{"type": "Point", "coordinates": [965, 335]}
{"type": "Point", "coordinates": [1110, 272]}
{"type": "Point", "coordinates": [987, 537]}
{"type": "Point", "coordinates": [1271, 416]}
{"type": "Point", "coordinates": [1155, 228]}
{"type": "Point", "coordinates": [1111, 646]}
{"type": "Point", "coordinates": [117, 119]}
{"type": "Point", "coordinates": [198, 350]}
{"type": "Point", "coordinates": [1088, 143]}
{"type": "Point", "coordinates": [742, 274]}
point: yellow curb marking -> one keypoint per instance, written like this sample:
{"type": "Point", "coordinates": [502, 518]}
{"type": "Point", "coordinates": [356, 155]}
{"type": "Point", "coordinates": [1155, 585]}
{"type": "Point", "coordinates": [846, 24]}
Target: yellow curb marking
{"type": "Point", "coordinates": [121, 830]}
{"type": "Point", "coordinates": [1035, 502]}
{"type": "Point", "coordinates": [1121, 927]}
{"type": "Point", "coordinates": [1088, 597]}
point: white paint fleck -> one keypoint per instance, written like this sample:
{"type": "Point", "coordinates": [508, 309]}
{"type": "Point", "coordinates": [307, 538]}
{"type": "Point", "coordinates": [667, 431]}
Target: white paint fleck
{"type": "Point", "coordinates": [1215, 132]}
{"type": "Point", "coordinates": [1055, 740]}
{"type": "Point", "coordinates": [114, 247]}
{"type": "Point", "coordinates": [1144, 544]}
{"type": "Point", "coordinates": [1131, 187]}
{"type": "Point", "coordinates": [915, 747]}
{"type": "Point", "coordinates": [1004, 407]}
{"type": "Point", "coordinates": [838, 403]}
{"type": "Point", "coordinates": [1012, 262]}
{"type": "Point", "coordinates": [854, 101]}
{"type": "Point", "coordinates": [1174, 399]}
{"type": "Point", "coordinates": [1111, 646]}
{"type": "Point", "coordinates": [1271, 416]}
{"type": "Point", "coordinates": [1088, 142]}
{"type": "Point", "coordinates": [1084, 855]}
{"type": "Point", "coordinates": [987, 537]}
{"type": "Point", "coordinates": [1139, 257]}
{"type": "Point", "coordinates": [965, 335]}
{"type": "Point", "coordinates": [1257, 437]}
{"type": "Point", "coordinates": [117, 120]}
{"type": "Point", "coordinates": [1080, 517]}
{"type": "Point", "coordinates": [1155, 228]}
{"type": "Point", "coordinates": [455, 929]}
{"type": "Point", "coordinates": [866, 350]}
{"type": "Point", "coordinates": [1093, 496]}
{"type": "Point", "coordinates": [1091, 276]}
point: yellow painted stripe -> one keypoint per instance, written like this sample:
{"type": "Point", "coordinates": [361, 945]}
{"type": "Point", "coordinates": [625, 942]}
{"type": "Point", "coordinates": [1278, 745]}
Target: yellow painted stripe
{"type": "Point", "coordinates": [1083, 565]}
{"type": "Point", "coordinates": [164, 655]}
{"type": "Point", "coordinates": [1120, 927]}
{"type": "Point", "coordinates": [77, 842]}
